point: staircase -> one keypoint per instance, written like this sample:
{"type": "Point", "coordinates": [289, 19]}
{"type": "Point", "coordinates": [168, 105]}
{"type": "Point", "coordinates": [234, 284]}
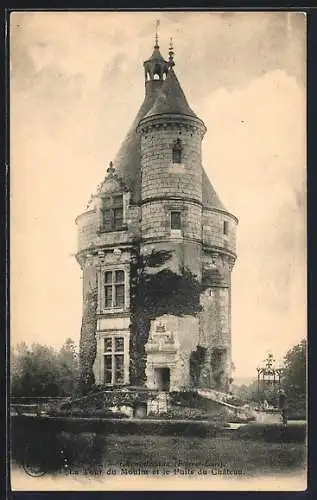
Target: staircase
{"type": "Point", "coordinates": [242, 412]}
{"type": "Point", "coordinates": [223, 399]}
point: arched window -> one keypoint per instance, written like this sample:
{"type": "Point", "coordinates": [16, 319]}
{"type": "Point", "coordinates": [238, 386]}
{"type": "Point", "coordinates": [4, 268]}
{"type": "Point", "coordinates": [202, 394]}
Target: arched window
{"type": "Point", "coordinates": [177, 151]}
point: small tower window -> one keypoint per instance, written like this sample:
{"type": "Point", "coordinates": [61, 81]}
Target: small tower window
{"type": "Point", "coordinates": [175, 220]}
{"type": "Point", "coordinates": [177, 151]}
{"type": "Point", "coordinates": [225, 228]}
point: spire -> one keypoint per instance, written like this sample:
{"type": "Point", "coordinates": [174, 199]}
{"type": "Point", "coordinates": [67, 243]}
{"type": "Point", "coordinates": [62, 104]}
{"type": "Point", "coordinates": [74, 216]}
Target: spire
{"type": "Point", "coordinates": [156, 67]}
{"type": "Point", "coordinates": [156, 46]}
{"type": "Point", "coordinates": [171, 98]}
{"type": "Point", "coordinates": [171, 53]}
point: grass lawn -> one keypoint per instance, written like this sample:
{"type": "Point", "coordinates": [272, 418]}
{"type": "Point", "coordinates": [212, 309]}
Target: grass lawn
{"type": "Point", "coordinates": [236, 456]}
{"type": "Point", "coordinates": [252, 450]}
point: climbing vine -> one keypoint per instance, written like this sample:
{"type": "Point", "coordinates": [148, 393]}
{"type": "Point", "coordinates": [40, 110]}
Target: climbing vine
{"type": "Point", "coordinates": [156, 290]}
{"type": "Point", "coordinates": [88, 343]}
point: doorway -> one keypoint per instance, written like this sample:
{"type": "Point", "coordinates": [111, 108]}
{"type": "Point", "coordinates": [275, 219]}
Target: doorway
{"type": "Point", "coordinates": [163, 376]}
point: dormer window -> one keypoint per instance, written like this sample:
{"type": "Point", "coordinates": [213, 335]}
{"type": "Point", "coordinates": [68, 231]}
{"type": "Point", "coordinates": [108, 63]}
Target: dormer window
{"type": "Point", "coordinates": [112, 213]}
{"type": "Point", "coordinates": [177, 151]}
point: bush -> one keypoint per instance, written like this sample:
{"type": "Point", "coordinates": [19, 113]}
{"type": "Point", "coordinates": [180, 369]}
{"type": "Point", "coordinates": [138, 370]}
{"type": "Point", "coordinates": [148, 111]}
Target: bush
{"type": "Point", "coordinates": [42, 371]}
{"type": "Point", "coordinates": [87, 413]}
{"type": "Point", "coordinates": [273, 433]}
{"type": "Point", "coordinates": [187, 398]}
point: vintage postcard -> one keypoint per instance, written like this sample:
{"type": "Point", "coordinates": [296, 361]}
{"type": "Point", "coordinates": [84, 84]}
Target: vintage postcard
{"type": "Point", "coordinates": [158, 250]}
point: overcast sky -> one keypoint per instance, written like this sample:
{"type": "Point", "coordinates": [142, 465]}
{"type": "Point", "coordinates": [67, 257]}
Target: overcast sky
{"type": "Point", "coordinates": [76, 85]}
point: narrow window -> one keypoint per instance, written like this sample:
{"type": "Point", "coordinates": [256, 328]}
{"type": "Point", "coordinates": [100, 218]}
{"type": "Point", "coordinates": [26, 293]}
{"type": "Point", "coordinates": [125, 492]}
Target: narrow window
{"type": "Point", "coordinates": [117, 218]}
{"type": "Point", "coordinates": [107, 219]}
{"type": "Point", "coordinates": [177, 151]}
{"type": "Point", "coordinates": [119, 369]}
{"type": "Point", "coordinates": [175, 220]}
{"type": "Point", "coordinates": [114, 285]}
{"type": "Point", "coordinates": [119, 289]}
{"type": "Point", "coordinates": [114, 360]}
{"type": "Point", "coordinates": [108, 369]}
{"type": "Point", "coordinates": [225, 228]}
{"type": "Point", "coordinates": [108, 289]}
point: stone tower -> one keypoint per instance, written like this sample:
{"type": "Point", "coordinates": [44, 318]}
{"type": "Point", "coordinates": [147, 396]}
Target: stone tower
{"type": "Point", "coordinates": [156, 197]}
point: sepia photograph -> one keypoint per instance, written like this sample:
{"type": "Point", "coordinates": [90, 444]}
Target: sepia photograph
{"type": "Point", "coordinates": [158, 295]}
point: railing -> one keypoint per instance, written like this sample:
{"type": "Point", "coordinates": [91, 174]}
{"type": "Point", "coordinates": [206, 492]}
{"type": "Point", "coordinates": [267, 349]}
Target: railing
{"type": "Point", "coordinates": [37, 399]}
{"type": "Point", "coordinates": [33, 404]}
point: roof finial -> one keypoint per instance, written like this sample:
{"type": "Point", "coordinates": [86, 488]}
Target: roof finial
{"type": "Point", "coordinates": [156, 46]}
{"type": "Point", "coordinates": [111, 170]}
{"type": "Point", "coordinates": [171, 53]}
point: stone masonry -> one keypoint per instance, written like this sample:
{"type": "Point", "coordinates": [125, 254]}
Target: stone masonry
{"type": "Point", "coordinates": [156, 197]}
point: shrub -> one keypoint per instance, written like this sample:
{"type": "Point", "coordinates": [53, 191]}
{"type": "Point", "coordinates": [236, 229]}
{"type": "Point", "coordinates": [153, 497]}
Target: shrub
{"type": "Point", "coordinates": [87, 413]}
{"type": "Point", "coordinates": [273, 433]}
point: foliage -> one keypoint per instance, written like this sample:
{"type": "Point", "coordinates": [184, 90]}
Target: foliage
{"type": "Point", "coordinates": [88, 342]}
{"type": "Point", "coordinates": [40, 370]}
{"type": "Point", "coordinates": [87, 413]}
{"type": "Point", "coordinates": [155, 293]}
{"type": "Point", "coordinates": [273, 433]}
{"type": "Point", "coordinates": [189, 399]}
{"type": "Point", "coordinates": [293, 382]}
{"type": "Point", "coordinates": [294, 375]}
{"type": "Point", "coordinates": [195, 364]}
{"type": "Point", "coordinates": [97, 400]}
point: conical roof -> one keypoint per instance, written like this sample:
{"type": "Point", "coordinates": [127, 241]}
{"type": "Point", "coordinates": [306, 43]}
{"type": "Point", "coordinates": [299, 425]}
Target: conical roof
{"type": "Point", "coordinates": [171, 99]}
{"type": "Point", "coordinates": [167, 99]}
{"type": "Point", "coordinates": [127, 162]}
{"type": "Point", "coordinates": [156, 55]}
{"type": "Point", "coordinates": [210, 199]}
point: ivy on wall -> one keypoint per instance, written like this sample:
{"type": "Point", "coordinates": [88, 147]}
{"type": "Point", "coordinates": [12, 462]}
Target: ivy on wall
{"type": "Point", "coordinates": [155, 293]}
{"type": "Point", "coordinates": [88, 342]}
{"type": "Point", "coordinates": [155, 290]}
{"type": "Point", "coordinates": [196, 361]}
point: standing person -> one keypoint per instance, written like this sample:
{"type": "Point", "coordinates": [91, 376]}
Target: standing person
{"type": "Point", "coordinates": [283, 405]}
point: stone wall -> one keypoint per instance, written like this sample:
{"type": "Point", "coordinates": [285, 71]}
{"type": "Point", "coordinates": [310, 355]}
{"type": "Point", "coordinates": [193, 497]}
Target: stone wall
{"type": "Point", "coordinates": [86, 232]}
{"type": "Point", "coordinates": [156, 219]}
{"type": "Point", "coordinates": [213, 229]}
{"type": "Point", "coordinates": [215, 318]}
{"type": "Point", "coordinates": [205, 244]}
{"type": "Point", "coordinates": [88, 235]}
{"type": "Point", "coordinates": [215, 338]}
{"type": "Point", "coordinates": [159, 175]}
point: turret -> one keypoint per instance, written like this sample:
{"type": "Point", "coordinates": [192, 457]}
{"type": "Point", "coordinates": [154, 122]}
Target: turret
{"type": "Point", "coordinates": [171, 189]}
{"type": "Point", "coordinates": [157, 196]}
{"type": "Point", "coordinates": [155, 69]}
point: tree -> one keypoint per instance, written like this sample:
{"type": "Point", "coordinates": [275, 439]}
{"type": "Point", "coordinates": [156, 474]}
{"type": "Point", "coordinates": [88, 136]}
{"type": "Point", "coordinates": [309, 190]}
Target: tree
{"type": "Point", "coordinates": [40, 370]}
{"type": "Point", "coordinates": [294, 375]}
{"type": "Point", "coordinates": [35, 371]}
{"type": "Point", "coordinates": [68, 368]}
{"type": "Point", "coordinates": [247, 392]}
